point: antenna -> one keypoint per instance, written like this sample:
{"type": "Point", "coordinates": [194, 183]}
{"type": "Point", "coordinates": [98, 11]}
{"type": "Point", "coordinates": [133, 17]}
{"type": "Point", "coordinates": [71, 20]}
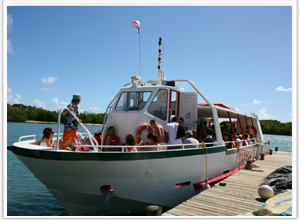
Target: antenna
{"type": "Point", "coordinates": [160, 67]}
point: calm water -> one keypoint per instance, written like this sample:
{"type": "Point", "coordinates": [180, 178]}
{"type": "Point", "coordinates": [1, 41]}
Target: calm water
{"type": "Point", "coordinates": [26, 196]}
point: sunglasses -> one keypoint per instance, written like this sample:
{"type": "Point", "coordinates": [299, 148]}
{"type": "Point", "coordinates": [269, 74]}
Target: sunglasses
{"type": "Point", "coordinates": [52, 132]}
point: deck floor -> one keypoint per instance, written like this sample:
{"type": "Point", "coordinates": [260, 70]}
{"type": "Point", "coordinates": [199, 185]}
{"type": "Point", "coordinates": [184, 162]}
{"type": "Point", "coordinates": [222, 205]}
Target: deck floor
{"type": "Point", "coordinates": [238, 196]}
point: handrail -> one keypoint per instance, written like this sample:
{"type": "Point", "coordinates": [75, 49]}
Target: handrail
{"type": "Point", "coordinates": [30, 136]}
{"type": "Point", "coordinates": [109, 107]}
{"type": "Point", "coordinates": [36, 135]}
{"type": "Point", "coordinates": [213, 109]}
{"type": "Point", "coordinates": [76, 118]}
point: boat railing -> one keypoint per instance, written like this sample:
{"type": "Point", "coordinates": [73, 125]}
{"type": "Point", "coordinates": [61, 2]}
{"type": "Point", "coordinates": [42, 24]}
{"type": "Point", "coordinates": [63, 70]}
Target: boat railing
{"type": "Point", "coordinates": [91, 138]}
{"type": "Point", "coordinates": [108, 110]}
{"type": "Point", "coordinates": [34, 136]}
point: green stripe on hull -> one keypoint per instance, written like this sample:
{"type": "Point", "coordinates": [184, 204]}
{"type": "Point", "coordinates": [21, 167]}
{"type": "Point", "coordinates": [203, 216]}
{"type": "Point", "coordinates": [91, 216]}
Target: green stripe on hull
{"type": "Point", "coordinates": [112, 156]}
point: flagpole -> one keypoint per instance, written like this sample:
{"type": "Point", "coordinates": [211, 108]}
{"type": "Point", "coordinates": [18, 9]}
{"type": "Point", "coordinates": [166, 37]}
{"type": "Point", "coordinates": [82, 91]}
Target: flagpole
{"type": "Point", "coordinates": [140, 53]}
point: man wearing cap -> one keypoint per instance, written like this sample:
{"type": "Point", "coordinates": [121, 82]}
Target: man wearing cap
{"type": "Point", "coordinates": [190, 140]}
{"type": "Point", "coordinates": [71, 124]}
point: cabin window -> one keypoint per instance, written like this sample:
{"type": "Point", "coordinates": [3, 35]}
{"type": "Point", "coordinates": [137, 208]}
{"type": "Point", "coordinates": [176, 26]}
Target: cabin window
{"type": "Point", "coordinates": [158, 106]}
{"type": "Point", "coordinates": [133, 100]}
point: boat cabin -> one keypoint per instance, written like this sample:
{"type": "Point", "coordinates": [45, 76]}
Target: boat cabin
{"type": "Point", "coordinates": [139, 102]}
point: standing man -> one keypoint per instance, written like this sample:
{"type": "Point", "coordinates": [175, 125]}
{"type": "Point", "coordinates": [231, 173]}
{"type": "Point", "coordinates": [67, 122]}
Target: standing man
{"type": "Point", "coordinates": [174, 132]}
{"type": "Point", "coordinates": [181, 121]}
{"type": "Point", "coordinates": [158, 131]}
{"type": "Point", "coordinates": [204, 127]}
{"type": "Point", "coordinates": [70, 123]}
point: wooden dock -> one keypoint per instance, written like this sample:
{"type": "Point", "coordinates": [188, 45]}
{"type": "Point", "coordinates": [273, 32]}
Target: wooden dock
{"type": "Point", "coordinates": [234, 195]}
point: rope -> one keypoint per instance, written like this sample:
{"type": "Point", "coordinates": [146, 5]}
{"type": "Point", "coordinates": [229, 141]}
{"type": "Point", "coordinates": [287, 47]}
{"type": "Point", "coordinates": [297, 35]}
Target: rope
{"type": "Point", "coordinates": [237, 156]}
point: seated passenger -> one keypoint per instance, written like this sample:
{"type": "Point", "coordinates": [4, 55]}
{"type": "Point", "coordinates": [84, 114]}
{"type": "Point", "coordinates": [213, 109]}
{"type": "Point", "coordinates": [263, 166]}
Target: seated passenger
{"type": "Point", "coordinates": [153, 140]}
{"type": "Point", "coordinates": [190, 140]}
{"type": "Point", "coordinates": [111, 139]}
{"type": "Point", "coordinates": [98, 136]}
{"type": "Point", "coordinates": [130, 141]}
{"type": "Point", "coordinates": [79, 140]}
{"type": "Point", "coordinates": [158, 131]}
{"type": "Point", "coordinates": [197, 136]}
{"type": "Point", "coordinates": [246, 139]}
{"type": "Point", "coordinates": [253, 138]}
{"type": "Point", "coordinates": [47, 139]}
{"type": "Point", "coordinates": [239, 140]}
{"type": "Point", "coordinates": [208, 139]}
{"type": "Point", "coordinates": [228, 140]}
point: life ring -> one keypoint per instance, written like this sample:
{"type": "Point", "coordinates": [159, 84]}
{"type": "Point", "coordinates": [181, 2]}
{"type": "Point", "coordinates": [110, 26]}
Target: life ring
{"type": "Point", "coordinates": [139, 131]}
{"type": "Point", "coordinates": [254, 130]}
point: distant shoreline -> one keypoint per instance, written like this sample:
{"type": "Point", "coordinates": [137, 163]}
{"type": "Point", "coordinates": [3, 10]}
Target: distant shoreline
{"type": "Point", "coordinates": [46, 122]}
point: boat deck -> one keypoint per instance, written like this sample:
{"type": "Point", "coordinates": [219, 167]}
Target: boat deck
{"type": "Point", "coordinates": [234, 195]}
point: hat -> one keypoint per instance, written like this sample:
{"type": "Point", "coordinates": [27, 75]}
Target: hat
{"type": "Point", "coordinates": [189, 132]}
{"type": "Point", "coordinates": [97, 131]}
{"type": "Point", "coordinates": [76, 96]}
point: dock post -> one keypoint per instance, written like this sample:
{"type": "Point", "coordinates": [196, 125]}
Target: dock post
{"type": "Point", "coordinates": [270, 152]}
{"type": "Point", "coordinates": [248, 165]}
{"type": "Point", "coordinates": [262, 156]}
{"type": "Point", "coordinates": [153, 210]}
{"type": "Point", "coordinates": [276, 148]}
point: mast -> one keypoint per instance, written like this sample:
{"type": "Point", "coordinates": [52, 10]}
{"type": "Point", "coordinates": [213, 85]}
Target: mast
{"type": "Point", "coordinates": [160, 67]}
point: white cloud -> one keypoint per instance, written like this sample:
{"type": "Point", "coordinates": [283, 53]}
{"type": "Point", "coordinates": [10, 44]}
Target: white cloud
{"type": "Point", "coordinates": [10, 48]}
{"type": "Point", "coordinates": [18, 96]}
{"type": "Point", "coordinates": [49, 80]}
{"type": "Point", "coordinates": [263, 115]}
{"type": "Point", "coordinates": [256, 102]}
{"type": "Point", "coordinates": [59, 105]}
{"type": "Point", "coordinates": [38, 103]}
{"type": "Point", "coordinates": [95, 108]}
{"type": "Point", "coordinates": [236, 109]}
{"type": "Point", "coordinates": [9, 95]}
{"type": "Point", "coordinates": [9, 22]}
{"type": "Point", "coordinates": [283, 89]}
{"type": "Point", "coordinates": [16, 100]}
{"type": "Point", "coordinates": [45, 89]}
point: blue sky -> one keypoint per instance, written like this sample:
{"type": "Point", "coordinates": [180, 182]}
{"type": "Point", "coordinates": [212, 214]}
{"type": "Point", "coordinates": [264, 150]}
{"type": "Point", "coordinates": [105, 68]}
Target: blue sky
{"type": "Point", "coordinates": [239, 56]}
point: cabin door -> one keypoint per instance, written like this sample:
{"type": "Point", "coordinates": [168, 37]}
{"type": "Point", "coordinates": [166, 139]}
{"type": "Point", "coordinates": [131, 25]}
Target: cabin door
{"type": "Point", "coordinates": [189, 109]}
{"type": "Point", "coordinates": [174, 104]}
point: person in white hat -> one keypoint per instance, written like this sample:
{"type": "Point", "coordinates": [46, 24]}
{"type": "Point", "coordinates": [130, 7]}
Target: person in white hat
{"type": "Point", "coordinates": [190, 140]}
{"type": "Point", "coordinates": [70, 123]}
{"type": "Point", "coordinates": [98, 136]}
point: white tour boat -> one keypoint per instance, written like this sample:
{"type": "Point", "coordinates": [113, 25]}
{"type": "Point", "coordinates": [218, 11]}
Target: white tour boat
{"type": "Point", "coordinates": [124, 183]}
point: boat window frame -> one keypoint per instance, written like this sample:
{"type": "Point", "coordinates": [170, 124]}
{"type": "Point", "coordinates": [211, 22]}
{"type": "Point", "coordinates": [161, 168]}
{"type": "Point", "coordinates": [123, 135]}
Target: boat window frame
{"type": "Point", "coordinates": [152, 101]}
{"type": "Point", "coordinates": [129, 100]}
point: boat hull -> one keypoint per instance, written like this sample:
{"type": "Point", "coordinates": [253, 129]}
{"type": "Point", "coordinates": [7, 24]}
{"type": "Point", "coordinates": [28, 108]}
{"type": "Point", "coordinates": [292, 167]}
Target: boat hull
{"type": "Point", "coordinates": [139, 179]}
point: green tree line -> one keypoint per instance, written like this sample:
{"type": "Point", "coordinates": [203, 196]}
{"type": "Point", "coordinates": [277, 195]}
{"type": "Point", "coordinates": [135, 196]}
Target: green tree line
{"type": "Point", "coordinates": [271, 127]}
{"type": "Point", "coordinates": [21, 113]}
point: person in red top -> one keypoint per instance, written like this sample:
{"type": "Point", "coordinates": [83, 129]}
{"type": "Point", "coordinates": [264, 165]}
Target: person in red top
{"type": "Point", "coordinates": [98, 136]}
{"type": "Point", "coordinates": [111, 138]}
{"type": "Point", "coordinates": [197, 136]}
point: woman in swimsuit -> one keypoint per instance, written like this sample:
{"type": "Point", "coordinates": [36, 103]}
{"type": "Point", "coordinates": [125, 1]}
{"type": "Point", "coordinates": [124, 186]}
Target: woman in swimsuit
{"type": "Point", "coordinates": [47, 139]}
{"type": "Point", "coordinates": [130, 141]}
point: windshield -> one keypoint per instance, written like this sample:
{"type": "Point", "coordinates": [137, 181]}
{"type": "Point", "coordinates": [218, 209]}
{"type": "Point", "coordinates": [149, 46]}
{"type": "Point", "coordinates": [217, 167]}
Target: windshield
{"type": "Point", "coordinates": [133, 100]}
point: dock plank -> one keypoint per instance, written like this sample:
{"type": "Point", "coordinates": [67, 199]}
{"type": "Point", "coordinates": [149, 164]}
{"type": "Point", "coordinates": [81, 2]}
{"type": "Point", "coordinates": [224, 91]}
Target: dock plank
{"type": "Point", "coordinates": [238, 196]}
